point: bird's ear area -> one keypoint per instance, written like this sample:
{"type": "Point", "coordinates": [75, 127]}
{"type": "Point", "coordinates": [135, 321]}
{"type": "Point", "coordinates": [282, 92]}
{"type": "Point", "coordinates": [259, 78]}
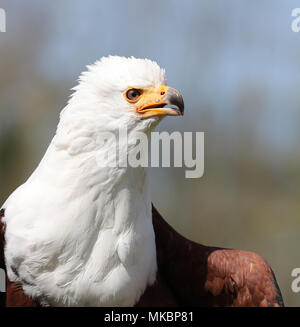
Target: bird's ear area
{"type": "Point", "coordinates": [155, 101]}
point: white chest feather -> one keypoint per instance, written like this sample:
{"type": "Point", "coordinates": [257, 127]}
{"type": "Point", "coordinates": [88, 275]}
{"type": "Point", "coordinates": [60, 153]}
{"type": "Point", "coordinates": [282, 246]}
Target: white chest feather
{"type": "Point", "coordinates": [78, 235]}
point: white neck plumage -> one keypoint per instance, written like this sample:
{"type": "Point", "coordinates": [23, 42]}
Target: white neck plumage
{"type": "Point", "coordinates": [100, 248]}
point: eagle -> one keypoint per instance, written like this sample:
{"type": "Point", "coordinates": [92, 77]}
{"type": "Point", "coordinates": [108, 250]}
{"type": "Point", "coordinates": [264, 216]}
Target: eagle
{"type": "Point", "coordinates": [82, 233]}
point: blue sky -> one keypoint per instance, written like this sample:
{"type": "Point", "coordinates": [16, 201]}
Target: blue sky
{"type": "Point", "coordinates": [213, 51]}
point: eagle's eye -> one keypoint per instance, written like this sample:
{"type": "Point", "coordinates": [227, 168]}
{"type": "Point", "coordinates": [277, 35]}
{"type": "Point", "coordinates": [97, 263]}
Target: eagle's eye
{"type": "Point", "coordinates": [133, 94]}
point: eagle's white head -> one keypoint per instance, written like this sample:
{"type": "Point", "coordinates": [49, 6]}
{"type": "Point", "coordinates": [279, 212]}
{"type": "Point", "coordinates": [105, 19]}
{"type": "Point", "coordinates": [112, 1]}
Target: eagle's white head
{"type": "Point", "coordinates": [119, 91]}
{"type": "Point", "coordinates": [79, 233]}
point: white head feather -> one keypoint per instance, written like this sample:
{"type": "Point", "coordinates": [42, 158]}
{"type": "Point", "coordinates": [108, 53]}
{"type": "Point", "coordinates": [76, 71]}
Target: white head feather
{"type": "Point", "coordinates": [77, 233]}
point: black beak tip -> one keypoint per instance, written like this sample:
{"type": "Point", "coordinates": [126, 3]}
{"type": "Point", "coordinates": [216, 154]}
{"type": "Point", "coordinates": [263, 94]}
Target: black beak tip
{"type": "Point", "coordinates": [180, 104]}
{"type": "Point", "coordinates": [175, 99]}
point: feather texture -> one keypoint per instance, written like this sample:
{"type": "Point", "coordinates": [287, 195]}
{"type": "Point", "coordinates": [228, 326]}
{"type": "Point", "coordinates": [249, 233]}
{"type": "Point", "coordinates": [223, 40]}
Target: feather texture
{"type": "Point", "coordinates": [79, 233]}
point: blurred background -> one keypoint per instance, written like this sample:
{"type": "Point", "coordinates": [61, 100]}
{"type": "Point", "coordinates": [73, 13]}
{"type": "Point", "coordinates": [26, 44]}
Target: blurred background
{"type": "Point", "coordinates": [237, 64]}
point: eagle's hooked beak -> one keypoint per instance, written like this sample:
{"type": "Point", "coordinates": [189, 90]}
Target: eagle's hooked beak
{"type": "Point", "coordinates": [156, 101]}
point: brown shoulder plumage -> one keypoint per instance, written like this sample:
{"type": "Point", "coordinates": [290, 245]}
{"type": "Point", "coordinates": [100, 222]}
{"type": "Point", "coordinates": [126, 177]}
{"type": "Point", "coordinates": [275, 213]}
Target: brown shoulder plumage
{"type": "Point", "coordinates": [199, 275]}
{"type": "Point", "coordinates": [241, 278]}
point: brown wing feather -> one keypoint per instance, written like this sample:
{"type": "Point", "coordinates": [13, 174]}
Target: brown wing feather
{"type": "Point", "coordinates": [2, 264]}
{"type": "Point", "coordinates": [199, 275]}
{"type": "Point", "coordinates": [241, 278]}
{"type": "Point", "coordinates": [15, 296]}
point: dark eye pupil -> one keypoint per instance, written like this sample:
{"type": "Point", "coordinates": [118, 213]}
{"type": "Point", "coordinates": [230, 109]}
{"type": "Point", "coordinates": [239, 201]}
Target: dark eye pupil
{"type": "Point", "coordinates": [132, 94]}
